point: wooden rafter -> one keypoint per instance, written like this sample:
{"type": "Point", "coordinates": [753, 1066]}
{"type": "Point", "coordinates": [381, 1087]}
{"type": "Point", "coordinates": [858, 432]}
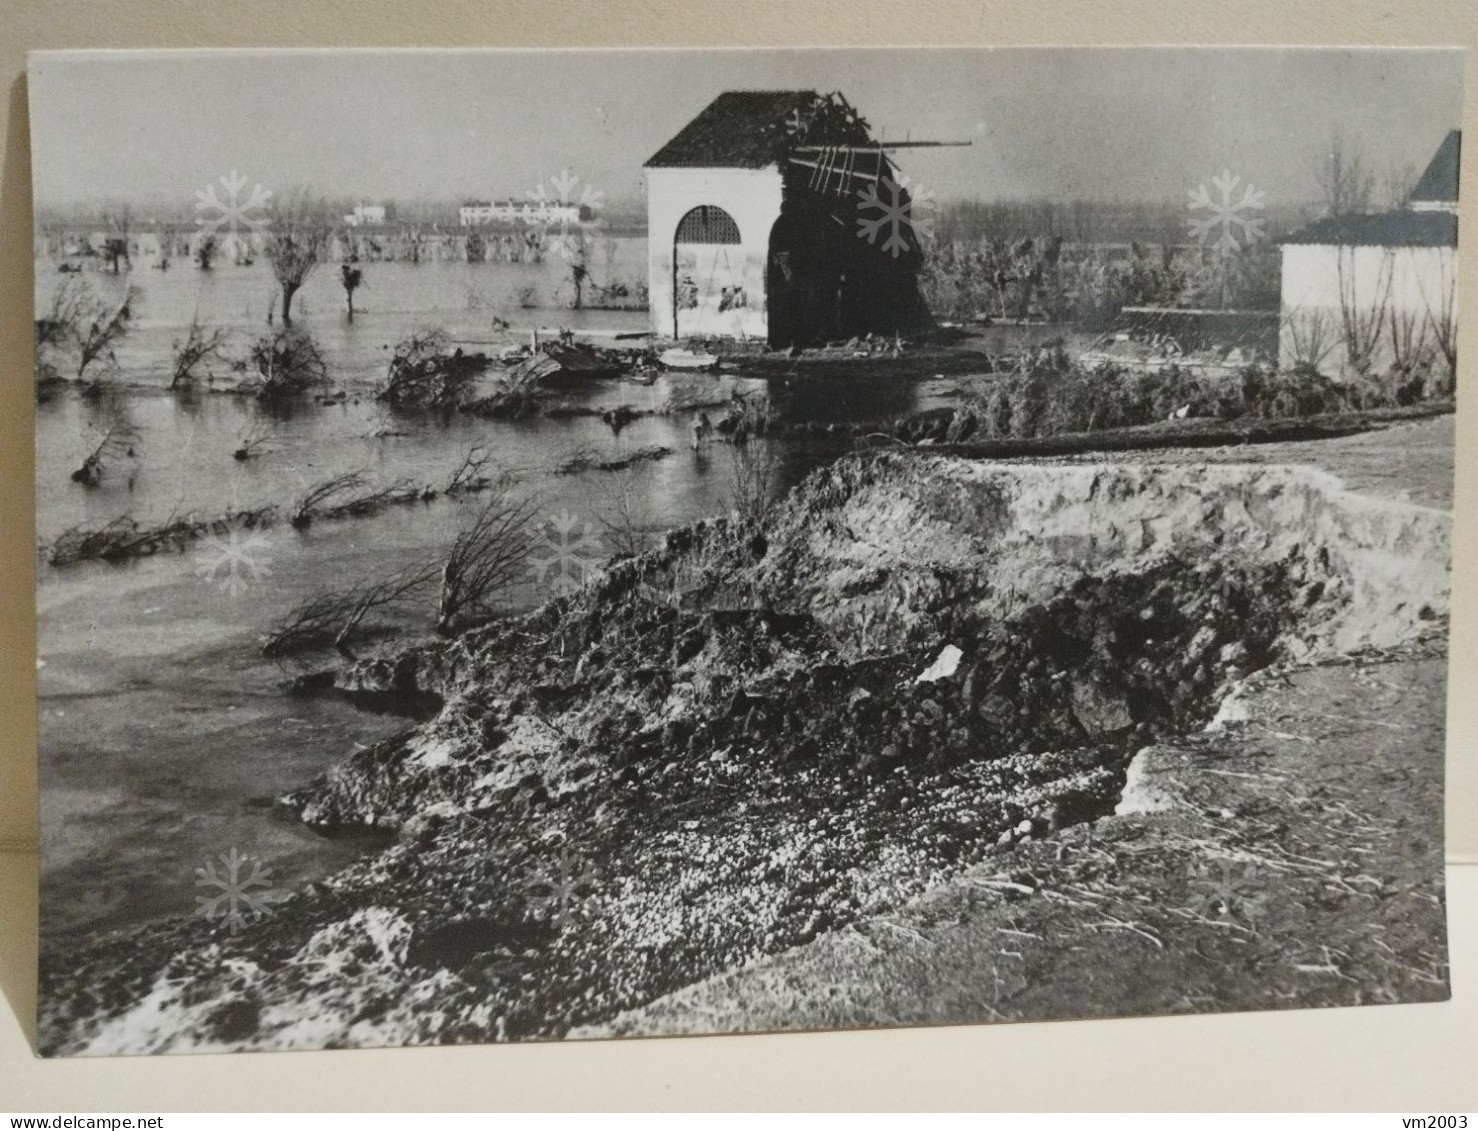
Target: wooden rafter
{"type": "Point", "coordinates": [874, 147]}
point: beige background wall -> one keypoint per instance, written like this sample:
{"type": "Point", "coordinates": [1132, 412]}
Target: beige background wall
{"type": "Point", "coordinates": [31, 24]}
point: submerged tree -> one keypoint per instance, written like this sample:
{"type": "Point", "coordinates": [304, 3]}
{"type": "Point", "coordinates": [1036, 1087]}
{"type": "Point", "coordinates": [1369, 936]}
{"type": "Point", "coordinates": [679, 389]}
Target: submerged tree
{"type": "Point", "coordinates": [351, 277]}
{"type": "Point", "coordinates": [475, 473]}
{"type": "Point", "coordinates": [115, 243]}
{"type": "Point", "coordinates": [96, 329]}
{"type": "Point", "coordinates": [119, 441]}
{"type": "Point", "coordinates": [290, 363]}
{"type": "Point", "coordinates": [295, 246]}
{"type": "Point", "coordinates": [486, 561]}
{"type": "Point", "coordinates": [70, 304]}
{"type": "Point", "coordinates": [199, 346]}
{"type": "Point", "coordinates": [335, 617]}
{"type": "Point", "coordinates": [255, 438]}
{"type": "Point", "coordinates": [316, 498]}
{"type": "Point", "coordinates": [205, 251]}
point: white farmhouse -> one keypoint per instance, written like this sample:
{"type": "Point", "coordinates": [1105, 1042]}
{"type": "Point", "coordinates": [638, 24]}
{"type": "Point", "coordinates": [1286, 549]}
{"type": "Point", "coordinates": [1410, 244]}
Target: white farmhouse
{"type": "Point", "coordinates": [365, 214]}
{"type": "Point", "coordinates": [1373, 292]}
{"type": "Point", "coordinates": [475, 212]}
{"type": "Point", "coordinates": [533, 211]}
{"type": "Point", "coordinates": [753, 229]}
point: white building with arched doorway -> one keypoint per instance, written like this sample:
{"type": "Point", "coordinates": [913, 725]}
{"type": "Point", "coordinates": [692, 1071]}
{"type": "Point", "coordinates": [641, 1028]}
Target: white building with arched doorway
{"type": "Point", "coordinates": [752, 225]}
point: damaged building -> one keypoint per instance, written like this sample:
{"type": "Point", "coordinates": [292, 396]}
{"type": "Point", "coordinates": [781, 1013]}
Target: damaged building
{"type": "Point", "coordinates": [777, 216]}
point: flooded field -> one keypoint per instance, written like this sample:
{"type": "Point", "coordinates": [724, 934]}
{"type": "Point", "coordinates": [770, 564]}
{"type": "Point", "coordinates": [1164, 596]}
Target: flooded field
{"type": "Point", "coordinates": [164, 733]}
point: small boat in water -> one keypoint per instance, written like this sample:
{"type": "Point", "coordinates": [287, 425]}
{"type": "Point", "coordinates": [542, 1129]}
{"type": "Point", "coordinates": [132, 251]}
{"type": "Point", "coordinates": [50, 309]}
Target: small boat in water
{"type": "Point", "coordinates": [678, 358]}
{"type": "Point", "coordinates": [1152, 353]}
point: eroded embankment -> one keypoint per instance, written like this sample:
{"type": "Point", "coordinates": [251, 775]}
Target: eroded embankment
{"type": "Point", "coordinates": [1289, 857]}
{"type": "Point", "coordinates": [723, 749]}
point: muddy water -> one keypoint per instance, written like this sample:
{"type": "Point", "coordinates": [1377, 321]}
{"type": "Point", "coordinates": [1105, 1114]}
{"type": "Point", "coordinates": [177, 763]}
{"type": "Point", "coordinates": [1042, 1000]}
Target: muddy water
{"type": "Point", "coordinates": [164, 735]}
{"type": "Point", "coordinates": [162, 731]}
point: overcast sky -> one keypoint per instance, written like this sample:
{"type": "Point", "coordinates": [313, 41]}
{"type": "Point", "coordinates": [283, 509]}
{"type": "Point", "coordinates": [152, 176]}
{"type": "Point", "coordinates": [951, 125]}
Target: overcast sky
{"type": "Point", "coordinates": [1058, 124]}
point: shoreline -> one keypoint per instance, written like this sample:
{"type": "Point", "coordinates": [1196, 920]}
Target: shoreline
{"type": "Point", "coordinates": [439, 794]}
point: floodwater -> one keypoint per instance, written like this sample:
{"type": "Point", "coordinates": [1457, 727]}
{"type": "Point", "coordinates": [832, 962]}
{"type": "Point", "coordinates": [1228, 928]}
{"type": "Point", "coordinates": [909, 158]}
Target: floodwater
{"type": "Point", "coordinates": [164, 733]}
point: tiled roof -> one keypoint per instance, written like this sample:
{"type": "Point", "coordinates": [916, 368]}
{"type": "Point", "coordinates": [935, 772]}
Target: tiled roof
{"type": "Point", "coordinates": [740, 129]}
{"type": "Point", "coordinates": [1381, 229]}
{"type": "Point", "coordinates": [1439, 183]}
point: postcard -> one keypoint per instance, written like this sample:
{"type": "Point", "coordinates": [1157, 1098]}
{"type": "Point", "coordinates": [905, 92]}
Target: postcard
{"type": "Point", "coordinates": [539, 545]}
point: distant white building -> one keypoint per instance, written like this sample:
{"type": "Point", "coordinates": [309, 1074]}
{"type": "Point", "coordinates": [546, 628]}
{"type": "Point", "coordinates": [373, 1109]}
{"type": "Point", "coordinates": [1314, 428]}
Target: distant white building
{"type": "Point", "coordinates": [365, 214]}
{"type": "Point", "coordinates": [475, 213]}
{"type": "Point", "coordinates": [1370, 292]}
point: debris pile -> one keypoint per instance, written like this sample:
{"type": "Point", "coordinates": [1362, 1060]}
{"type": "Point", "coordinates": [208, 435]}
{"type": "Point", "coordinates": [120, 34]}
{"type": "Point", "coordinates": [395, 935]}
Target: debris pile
{"type": "Point", "coordinates": [425, 373]}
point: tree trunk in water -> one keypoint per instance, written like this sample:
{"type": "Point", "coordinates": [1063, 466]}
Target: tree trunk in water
{"type": "Point", "coordinates": [287, 302]}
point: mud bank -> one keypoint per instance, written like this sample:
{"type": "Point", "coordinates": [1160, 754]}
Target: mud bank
{"type": "Point", "coordinates": [759, 736]}
{"type": "Point", "coordinates": [1289, 857]}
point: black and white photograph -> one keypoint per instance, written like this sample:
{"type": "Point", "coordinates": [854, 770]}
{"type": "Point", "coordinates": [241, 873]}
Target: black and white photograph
{"type": "Point", "coordinates": [575, 544]}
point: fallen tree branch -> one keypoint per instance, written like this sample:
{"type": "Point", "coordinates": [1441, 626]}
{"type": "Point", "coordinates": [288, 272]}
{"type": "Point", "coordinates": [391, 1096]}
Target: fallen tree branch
{"type": "Point", "coordinates": [335, 617]}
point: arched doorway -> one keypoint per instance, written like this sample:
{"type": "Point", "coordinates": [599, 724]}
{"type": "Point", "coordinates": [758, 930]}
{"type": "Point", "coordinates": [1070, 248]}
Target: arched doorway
{"type": "Point", "coordinates": [707, 270]}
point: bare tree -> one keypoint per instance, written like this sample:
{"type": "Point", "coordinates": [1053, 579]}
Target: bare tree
{"type": "Point", "coordinates": [1396, 184]}
{"type": "Point", "coordinates": [256, 436]}
{"type": "Point", "coordinates": [96, 329]}
{"type": "Point", "coordinates": [119, 441]}
{"type": "Point", "coordinates": [1441, 311]}
{"type": "Point", "coordinates": [1410, 349]}
{"type": "Point", "coordinates": [205, 251]}
{"type": "Point", "coordinates": [488, 558]}
{"type": "Point", "coordinates": [123, 538]}
{"type": "Point", "coordinates": [377, 498]}
{"type": "Point", "coordinates": [351, 278]}
{"type": "Point", "coordinates": [295, 245]}
{"type": "Point", "coordinates": [289, 362]}
{"type": "Point", "coordinates": [625, 518]}
{"type": "Point", "coordinates": [1364, 304]}
{"type": "Point", "coordinates": [335, 617]}
{"type": "Point", "coordinates": [198, 346]}
{"type": "Point", "coordinates": [752, 481]}
{"type": "Point", "coordinates": [166, 246]}
{"type": "Point", "coordinates": [1345, 181]}
{"type": "Point", "coordinates": [346, 496]}
{"type": "Point", "coordinates": [1311, 335]}
{"type": "Point", "coordinates": [72, 302]}
{"type": "Point", "coordinates": [317, 498]}
{"type": "Point", "coordinates": [472, 474]}
{"type": "Point", "coordinates": [115, 243]}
